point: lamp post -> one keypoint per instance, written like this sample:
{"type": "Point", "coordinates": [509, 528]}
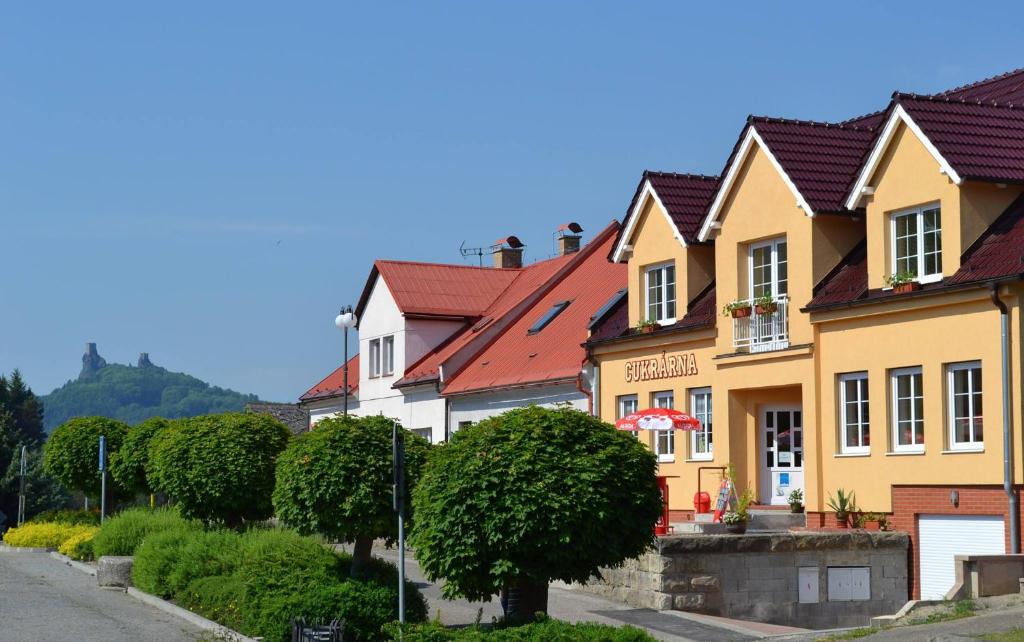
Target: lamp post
{"type": "Point", "coordinates": [346, 319]}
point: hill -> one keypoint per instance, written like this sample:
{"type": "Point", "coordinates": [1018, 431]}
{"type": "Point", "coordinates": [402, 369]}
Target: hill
{"type": "Point", "coordinates": [135, 393]}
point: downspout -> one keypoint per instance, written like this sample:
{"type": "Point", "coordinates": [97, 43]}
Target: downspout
{"type": "Point", "coordinates": [583, 390]}
{"type": "Point", "coordinates": [1014, 508]}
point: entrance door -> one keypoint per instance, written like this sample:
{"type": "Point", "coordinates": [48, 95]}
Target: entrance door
{"type": "Point", "coordinates": [782, 453]}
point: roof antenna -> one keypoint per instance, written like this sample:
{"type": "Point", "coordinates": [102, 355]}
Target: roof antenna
{"type": "Point", "coordinates": [473, 251]}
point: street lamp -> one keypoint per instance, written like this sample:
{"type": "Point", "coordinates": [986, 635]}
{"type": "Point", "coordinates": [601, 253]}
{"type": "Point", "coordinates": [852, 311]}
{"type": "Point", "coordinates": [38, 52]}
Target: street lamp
{"type": "Point", "coordinates": [346, 319]}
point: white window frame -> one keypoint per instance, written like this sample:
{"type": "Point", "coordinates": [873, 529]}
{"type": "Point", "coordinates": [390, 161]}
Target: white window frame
{"type": "Point", "coordinates": [387, 358]}
{"type": "Point", "coordinates": [426, 433]}
{"type": "Point", "coordinates": [862, 387]}
{"type": "Point", "coordinates": [918, 213]}
{"type": "Point", "coordinates": [620, 408]}
{"type": "Point", "coordinates": [706, 425]}
{"type": "Point", "coordinates": [670, 435]}
{"type": "Point", "coordinates": [664, 320]}
{"type": "Point", "coordinates": [975, 413]}
{"type": "Point", "coordinates": [774, 285]}
{"type": "Point", "coordinates": [894, 376]}
{"type": "Point", "coordinates": [373, 364]}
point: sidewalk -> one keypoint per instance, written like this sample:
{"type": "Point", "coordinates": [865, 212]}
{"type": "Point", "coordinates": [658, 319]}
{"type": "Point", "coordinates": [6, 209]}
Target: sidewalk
{"type": "Point", "coordinates": [573, 605]}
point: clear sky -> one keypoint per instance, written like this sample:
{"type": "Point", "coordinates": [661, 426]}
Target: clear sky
{"type": "Point", "coordinates": [208, 182]}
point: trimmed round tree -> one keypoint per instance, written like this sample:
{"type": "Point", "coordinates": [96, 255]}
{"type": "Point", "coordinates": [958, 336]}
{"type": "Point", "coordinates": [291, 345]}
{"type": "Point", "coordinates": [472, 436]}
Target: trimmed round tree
{"type": "Point", "coordinates": [530, 496]}
{"type": "Point", "coordinates": [219, 468]}
{"type": "Point", "coordinates": [128, 465]}
{"type": "Point", "coordinates": [72, 453]}
{"type": "Point", "coordinates": [336, 480]}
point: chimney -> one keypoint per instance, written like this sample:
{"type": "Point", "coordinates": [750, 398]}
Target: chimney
{"type": "Point", "coordinates": [568, 238]}
{"type": "Point", "coordinates": [508, 253]}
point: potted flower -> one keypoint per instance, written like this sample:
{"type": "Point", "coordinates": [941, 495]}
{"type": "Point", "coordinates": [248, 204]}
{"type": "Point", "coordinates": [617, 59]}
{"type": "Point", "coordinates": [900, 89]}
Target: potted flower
{"type": "Point", "coordinates": [796, 501]}
{"type": "Point", "coordinates": [843, 504]}
{"type": "Point", "coordinates": [902, 282]}
{"type": "Point", "coordinates": [646, 326]}
{"type": "Point", "coordinates": [736, 520]}
{"type": "Point", "coordinates": [765, 304]}
{"type": "Point", "coordinates": [869, 521]}
{"type": "Point", "coordinates": [737, 309]}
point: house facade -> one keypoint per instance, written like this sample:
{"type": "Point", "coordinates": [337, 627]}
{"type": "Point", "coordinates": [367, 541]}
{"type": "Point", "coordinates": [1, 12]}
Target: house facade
{"type": "Point", "coordinates": [867, 269]}
{"type": "Point", "coordinates": [442, 346]}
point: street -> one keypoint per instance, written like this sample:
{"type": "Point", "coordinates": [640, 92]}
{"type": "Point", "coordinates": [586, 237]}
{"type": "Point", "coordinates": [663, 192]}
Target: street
{"type": "Point", "coordinates": [43, 600]}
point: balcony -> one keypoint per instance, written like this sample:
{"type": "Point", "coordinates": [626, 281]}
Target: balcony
{"type": "Point", "coordinates": [762, 332]}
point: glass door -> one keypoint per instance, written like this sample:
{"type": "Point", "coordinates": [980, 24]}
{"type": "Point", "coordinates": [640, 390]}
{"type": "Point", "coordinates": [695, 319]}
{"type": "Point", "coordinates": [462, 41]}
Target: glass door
{"type": "Point", "coordinates": [782, 458]}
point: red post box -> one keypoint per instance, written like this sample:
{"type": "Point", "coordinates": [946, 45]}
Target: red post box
{"type": "Point", "coordinates": [661, 526]}
{"type": "Point", "coordinates": [702, 502]}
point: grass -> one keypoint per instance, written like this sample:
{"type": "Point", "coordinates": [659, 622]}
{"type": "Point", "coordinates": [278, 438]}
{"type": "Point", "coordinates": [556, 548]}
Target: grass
{"type": "Point", "coordinates": [958, 610]}
{"type": "Point", "coordinates": [852, 634]}
{"type": "Point", "coordinates": [1013, 635]}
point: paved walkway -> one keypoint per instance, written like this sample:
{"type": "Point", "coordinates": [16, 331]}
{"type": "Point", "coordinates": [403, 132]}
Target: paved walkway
{"type": "Point", "coordinates": [576, 606]}
{"type": "Point", "coordinates": [43, 600]}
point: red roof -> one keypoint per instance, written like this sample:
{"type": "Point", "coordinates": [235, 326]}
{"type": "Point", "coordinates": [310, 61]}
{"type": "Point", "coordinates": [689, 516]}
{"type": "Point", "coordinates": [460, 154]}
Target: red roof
{"type": "Point", "coordinates": [554, 353]}
{"type": "Point", "coordinates": [1004, 88]}
{"type": "Point", "coordinates": [333, 384]}
{"type": "Point", "coordinates": [435, 289]}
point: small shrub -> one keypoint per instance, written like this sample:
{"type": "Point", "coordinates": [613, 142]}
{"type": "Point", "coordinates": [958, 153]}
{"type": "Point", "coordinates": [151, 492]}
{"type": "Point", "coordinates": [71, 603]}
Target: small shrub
{"type": "Point", "coordinates": [158, 554]}
{"type": "Point", "coordinates": [216, 597]}
{"type": "Point", "coordinates": [123, 533]}
{"type": "Point", "coordinates": [546, 630]}
{"type": "Point", "coordinates": [72, 517]}
{"type": "Point", "coordinates": [205, 554]}
{"type": "Point", "coordinates": [79, 546]}
{"type": "Point", "coordinates": [41, 534]}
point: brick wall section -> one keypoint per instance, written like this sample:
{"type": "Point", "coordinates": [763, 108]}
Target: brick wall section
{"type": "Point", "coordinates": [909, 502]}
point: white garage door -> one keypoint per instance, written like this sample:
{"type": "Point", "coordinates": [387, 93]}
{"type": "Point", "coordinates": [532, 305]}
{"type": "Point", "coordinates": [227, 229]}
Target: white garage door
{"type": "Point", "coordinates": [943, 536]}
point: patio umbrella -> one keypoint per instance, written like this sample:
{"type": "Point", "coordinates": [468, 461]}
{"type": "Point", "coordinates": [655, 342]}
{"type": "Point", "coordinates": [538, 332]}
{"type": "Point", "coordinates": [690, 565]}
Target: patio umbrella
{"type": "Point", "coordinates": [658, 419]}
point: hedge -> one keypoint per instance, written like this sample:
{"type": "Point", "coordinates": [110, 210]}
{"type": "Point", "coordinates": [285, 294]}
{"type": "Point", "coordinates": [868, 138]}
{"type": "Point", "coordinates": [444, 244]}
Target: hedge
{"type": "Point", "coordinates": [123, 533]}
{"type": "Point", "coordinates": [545, 630]}
{"type": "Point", "coordinates": [42, 534]}
{"type": "Point", "coordinates": [79, 546]}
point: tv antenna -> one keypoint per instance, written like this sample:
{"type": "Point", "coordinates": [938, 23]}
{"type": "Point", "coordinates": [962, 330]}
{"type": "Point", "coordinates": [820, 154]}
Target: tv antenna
{"type": "Point", "coordinates": [474, 251]}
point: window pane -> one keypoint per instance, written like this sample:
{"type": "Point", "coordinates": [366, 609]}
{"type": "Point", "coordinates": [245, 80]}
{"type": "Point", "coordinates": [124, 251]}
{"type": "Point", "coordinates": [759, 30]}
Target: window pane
{"type": "Point", "coordinates": [782, 269]}
{"type": "Point", "coordinates": [670, 292]}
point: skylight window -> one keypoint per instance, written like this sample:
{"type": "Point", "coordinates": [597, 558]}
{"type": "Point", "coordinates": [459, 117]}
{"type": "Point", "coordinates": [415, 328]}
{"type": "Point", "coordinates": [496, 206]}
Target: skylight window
{"type": "Point", "coordinates": [548, 317]}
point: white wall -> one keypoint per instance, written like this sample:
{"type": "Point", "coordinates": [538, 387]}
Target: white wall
{"type": "Point", "coordinates": [329, 408]}
{"type": "Point", "coordinates": [480, 406]}
{"type": "Point", "coordinates": [423, 335]}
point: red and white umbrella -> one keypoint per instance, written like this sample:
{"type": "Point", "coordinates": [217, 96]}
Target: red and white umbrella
{"type": "Point", "coordinates": [658, 419]}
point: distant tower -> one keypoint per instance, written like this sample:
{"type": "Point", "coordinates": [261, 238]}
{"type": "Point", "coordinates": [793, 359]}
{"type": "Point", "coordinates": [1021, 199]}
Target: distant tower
{"type": "Point", "coordinates": [92, 362]}
{"type": "Point", "coordinates": [144, 361]}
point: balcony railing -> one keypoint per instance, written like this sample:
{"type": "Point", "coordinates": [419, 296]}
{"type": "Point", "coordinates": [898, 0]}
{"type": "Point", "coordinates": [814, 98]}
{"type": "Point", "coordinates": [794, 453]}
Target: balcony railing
{"type": "Point", "coordinates": [763, 332]}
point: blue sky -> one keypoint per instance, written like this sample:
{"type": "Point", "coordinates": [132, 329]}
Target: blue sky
{"type": "Point", "coordinates": [209, 182]}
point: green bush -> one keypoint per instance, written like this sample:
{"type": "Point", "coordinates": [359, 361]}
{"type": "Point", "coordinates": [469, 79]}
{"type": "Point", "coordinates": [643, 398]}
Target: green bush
{"type": "Point", "coordinates": [68, 516]}
{"type": "Point", "coordinates": [336, 481]}
{"type": "Point", "coordinates": [155, 558]}
{"type": "Point", "coordinates": [124, 532]}
{"type": "Point", "coordinates": [43, 534]}
{"type": "Point", "coordinates": [546, 630]}
{"type": "Point", "coordinates": [79, 546]}
{"type": "Point", "coordinates": [219, 468]}
{"type": "Point", "coordinates": [205, 554]}
{"type": "Point", "coordinates": [128, 465]}
{"type": "Point", "coordinates": [216, 597]}
{"type": "Point", "coordinates": [71, 454]}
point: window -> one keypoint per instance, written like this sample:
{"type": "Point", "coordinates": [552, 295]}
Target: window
{"type": "Point", "coordinates": [664, 440]}
{"type": "Point", "coordinates": [465, 424]}
{"type": "Point", "coordinates": [548, 317]}
{"type": "Point", "coordinates": [853, 413]}
{"type": "Point", "coordinates": [917, 244]}
{"type": "Point", "coordinates": [769, 269]}
{"type": "Point", "coordinates": [389, 355]}
{"type": "Point", "coordinates": [374, 358]}
{"type": "Point", "coordinates": [907, 410]}
{"type": "Point", "coordinates": [426, 433]}
{"type": "Point", "coordinates": [626, 405]}
{"type": "Point", "coordinates": [964, 387]}
{"type": "Point", "coordinates": [661, 293]}
{"type": "Point", "coordinates": [700, 408]}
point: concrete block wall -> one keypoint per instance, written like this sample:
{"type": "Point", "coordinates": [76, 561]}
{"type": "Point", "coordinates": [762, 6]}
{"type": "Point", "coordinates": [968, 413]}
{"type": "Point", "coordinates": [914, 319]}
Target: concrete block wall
{"type": "Point", "coordinates": [756, 577]}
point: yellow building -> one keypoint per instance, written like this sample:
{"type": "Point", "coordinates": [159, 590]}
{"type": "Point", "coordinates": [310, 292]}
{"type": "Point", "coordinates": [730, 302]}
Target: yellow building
{"type": "Point", "coordinates": [886, 253]}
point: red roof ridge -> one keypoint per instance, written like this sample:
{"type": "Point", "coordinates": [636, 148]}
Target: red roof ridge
{"type": "Point", "coordinates": [702, 177]}
{"type": "Point", "coordinates": [982, 82]}
{"type": "Point", "coordinates": [752, 118]}
{"type": "Point", "coordinates": [447, 265]}
{"type": "Point", "coordinates": [870, 114]}
{"type": "Point", "coordinates": [932, 98]}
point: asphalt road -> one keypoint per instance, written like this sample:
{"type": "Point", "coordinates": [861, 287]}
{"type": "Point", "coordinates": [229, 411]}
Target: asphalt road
{"type": "Point", "coordinates": [44, 600]}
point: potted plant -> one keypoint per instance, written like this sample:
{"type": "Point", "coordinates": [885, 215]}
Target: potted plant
{"type": "Point", "coordinates": [736, 520]}
{"type": "Point", "coordinates": [883, 522]}
{"type": "Point", "coordinates": [902, 282]}
{"type": "Point", "coordinates": [765, 304]}
{"type": "Point", "coordinates": [843, 504]}
{"type": "Point", "coordinates": [646, 326]}
{"type": "Point", "coordinates": [737, 309]}
{"type": "Point", "coordinates": [796, 501]}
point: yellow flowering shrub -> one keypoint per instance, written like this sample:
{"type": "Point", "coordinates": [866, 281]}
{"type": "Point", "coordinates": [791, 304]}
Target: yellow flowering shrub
{"type": "Point", "coordinates": [79, 546]}
{"type": "Point", "coordinates": [42, 534]}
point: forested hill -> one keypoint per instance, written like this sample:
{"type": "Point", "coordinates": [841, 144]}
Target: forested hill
{"type": "Point", "coordinates": [134, 393]}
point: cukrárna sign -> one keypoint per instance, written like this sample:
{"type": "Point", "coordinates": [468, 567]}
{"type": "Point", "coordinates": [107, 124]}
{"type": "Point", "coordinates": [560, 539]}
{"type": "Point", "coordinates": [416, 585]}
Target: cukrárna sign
{"type": "Point", "coordinates": [663, 367]}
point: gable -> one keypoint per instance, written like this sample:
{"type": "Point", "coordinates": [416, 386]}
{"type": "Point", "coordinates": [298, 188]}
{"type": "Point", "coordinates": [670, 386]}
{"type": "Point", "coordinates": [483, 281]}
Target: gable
{"type": "Point", "coordinates": [758, 196]}
{"type": "Point", "coordinates": [654, 237]}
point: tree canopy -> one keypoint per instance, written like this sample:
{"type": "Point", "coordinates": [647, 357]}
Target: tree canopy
{"type": "Point", "coordinates": [71, 455]}
{"type": "Point", "coordinates": [530, 496]}
{"type": "Point", "coordinates": [128, 465]}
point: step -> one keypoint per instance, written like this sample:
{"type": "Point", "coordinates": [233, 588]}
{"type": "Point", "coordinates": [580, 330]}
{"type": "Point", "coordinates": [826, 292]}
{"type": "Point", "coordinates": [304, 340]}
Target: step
{"type": "Point", "coordinates": [773, 520]}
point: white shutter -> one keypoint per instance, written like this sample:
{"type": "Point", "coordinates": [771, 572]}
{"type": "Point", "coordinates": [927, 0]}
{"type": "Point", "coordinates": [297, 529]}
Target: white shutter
{"type": "Point", "coordinates": [944, 536]}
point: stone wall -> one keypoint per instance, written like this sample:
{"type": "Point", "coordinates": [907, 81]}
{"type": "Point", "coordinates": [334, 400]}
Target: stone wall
{"type": "Point", "coordinates": [757, 577]}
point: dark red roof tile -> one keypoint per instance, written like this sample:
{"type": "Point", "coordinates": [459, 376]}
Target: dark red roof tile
{"type": "Point", "coordinates": [1004, 88]}
{"type": "Point", "coordinates": [685, 196]}
{"type": "Point", "coordinates": [699, 314]}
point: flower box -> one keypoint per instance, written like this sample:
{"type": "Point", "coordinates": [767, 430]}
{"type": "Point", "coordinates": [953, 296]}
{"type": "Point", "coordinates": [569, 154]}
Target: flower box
{"type": "Point", "coordinates": [768, 308]}
{"type": "Point", "coordinates": [741, 313]}
{"type": "Point", "coordinates": [909, 286]}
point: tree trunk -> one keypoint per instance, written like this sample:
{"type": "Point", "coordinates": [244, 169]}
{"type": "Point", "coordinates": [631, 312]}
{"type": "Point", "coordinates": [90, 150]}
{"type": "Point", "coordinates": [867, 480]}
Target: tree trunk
{"type": "Point", "coordinates": [361, 554]}
{"type": "Point", "coordinates": [523, 599]}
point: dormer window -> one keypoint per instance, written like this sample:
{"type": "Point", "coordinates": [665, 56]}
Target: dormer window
{"type": "Point", "coordinates": [917, 243]}
{"type": "Point", "coordinates": [661, 293]}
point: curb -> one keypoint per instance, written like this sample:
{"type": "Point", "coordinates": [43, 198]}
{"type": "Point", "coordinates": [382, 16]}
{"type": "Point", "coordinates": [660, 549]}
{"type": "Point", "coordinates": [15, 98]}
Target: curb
{"type": "Point", "coordinates": [81, 566]}
{"type": "Point", "coordinates": [4, 548]}
{"type": "Point", "coordinates": [189, 616]}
